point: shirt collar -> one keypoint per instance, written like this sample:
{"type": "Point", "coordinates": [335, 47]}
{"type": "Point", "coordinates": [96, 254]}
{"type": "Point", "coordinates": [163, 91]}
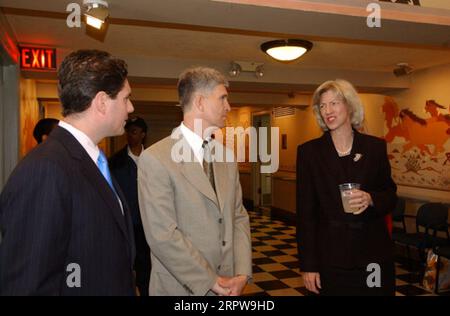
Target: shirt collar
{"type": "Point", "coordinates": [194, 141]}
{"type": "Point", "coordinates": [84, 140]}
{"type": "Point", "coordinates": [133, 156]}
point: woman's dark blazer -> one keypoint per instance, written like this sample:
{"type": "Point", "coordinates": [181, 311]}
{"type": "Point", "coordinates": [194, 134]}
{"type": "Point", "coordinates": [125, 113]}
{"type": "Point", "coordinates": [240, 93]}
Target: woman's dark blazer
{"type": "Point", "coordinates": [326, 235]}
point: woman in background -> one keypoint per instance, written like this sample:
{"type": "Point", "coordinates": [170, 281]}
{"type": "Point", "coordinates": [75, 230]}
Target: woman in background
{"type": "Point", "coordinates": [344, 253]}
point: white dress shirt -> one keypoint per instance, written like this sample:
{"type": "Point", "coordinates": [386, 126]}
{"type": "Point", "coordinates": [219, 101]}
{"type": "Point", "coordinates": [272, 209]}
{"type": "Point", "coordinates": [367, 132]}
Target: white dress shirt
{"type": "Point", "coordinates": [133, 156]}
{"type": "Point", "coordinates": [88, 145]}
{"type": "Point", "coordinates": [194, 141]}
{"type": "Point", "coordinates": [84, 140]}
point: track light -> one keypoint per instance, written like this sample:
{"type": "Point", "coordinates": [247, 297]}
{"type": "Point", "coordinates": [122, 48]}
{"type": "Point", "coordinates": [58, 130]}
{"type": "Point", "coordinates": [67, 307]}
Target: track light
{"type": "Point", "coordinates": [96, 12]}
{"type": "Point", "coordinates": [243, 66]}
{"type": "Point", "coordinates": [235, 70]}
{"type": "Point", "coordinates": [402, 69]}
{"type": "Point", "coordinates": [259, 71]}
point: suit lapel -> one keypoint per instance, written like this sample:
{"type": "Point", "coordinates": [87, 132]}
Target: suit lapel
{"type": "Point", "coordinates": [127, 217]}
{"type": "Point", "coordinates": [331, 159]}
{"type": "Point", "coordinates": [194, 173]}
{"type": "Point", "coordinates": [92, 174]}
{"type": "Point", "coordinates": [357, 168]}
{"type": "Point", "coordinates": [196, 176]}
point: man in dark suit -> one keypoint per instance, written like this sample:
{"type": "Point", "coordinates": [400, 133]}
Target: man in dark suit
{"type": "Point", "coordinates": [124, 168]}
{"type": "Point", "coordinates": [65, 225]}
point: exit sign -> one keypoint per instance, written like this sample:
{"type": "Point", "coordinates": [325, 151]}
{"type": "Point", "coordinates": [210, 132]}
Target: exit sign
{"type": "Point", "coordinates": [37, 58]}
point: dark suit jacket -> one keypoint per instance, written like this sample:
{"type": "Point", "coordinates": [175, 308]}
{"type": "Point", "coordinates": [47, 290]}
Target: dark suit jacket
{"type": "Point", "coordinates": [326, 235]}
{"type": "Point", "coordinates": [57, 209]}
{"type": "Point", "coordinates": [124, 170]}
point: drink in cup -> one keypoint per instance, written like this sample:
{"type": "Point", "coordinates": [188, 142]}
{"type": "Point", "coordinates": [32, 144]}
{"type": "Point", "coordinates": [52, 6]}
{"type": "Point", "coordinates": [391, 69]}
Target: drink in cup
{"type": "Point", "coordinates": [347, 190]}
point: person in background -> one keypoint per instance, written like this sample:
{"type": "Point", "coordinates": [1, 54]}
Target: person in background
{"type": "Point", "coordinates": [124, 168]}
{"type": "Point", "coordinates": [65, 228]}
{"type": "Point", "coordinates": [338, 251]}
{"type": "Point", "coordinates": [43, 129]}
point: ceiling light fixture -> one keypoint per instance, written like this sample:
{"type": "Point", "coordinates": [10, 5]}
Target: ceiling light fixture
{"type": "Point", "coordinates": [286, 50]}
{"type": "Point", "coordinates": [237, 67]}
{"type": "Point", "coordinates": [259, 71]}
{"type": "Point", "coordinates": [402, 69]}
{"type": "Point", "coordinates": [96, 12]}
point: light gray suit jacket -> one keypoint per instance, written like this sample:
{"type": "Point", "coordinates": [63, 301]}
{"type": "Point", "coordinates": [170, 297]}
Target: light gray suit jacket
{"type": "Point", "coordinates": [194, 235]}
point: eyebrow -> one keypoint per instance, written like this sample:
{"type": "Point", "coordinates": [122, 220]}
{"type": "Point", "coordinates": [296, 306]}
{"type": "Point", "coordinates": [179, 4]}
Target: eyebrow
{"type": "Point", "coordinates": [330, 101]}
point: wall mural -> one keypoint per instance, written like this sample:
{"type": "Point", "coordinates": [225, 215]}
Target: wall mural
{"type": "Point", "coordinates": [413, 2]}
{"type": "Point", "coordinates": [436, 4]}
{"type": "Point", "coordinates": [418, 148]}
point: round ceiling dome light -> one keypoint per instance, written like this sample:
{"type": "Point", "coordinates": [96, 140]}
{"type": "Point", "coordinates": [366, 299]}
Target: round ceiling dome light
{"type": "Point", "coordinates": [286, 50]}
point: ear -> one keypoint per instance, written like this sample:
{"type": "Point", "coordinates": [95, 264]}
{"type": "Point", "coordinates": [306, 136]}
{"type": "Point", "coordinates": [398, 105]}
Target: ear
{"type": "Point", "coordinates": [199, 102]}
{"type": "Point", "coordinates": [99, 103]}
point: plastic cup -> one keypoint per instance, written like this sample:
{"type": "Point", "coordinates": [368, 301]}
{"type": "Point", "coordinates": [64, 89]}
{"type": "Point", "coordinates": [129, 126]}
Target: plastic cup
{"type": "Point", "coordinates": [347, 189]}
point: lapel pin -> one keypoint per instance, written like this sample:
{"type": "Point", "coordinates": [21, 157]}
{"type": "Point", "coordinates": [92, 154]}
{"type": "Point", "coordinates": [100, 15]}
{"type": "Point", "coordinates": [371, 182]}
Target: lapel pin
{"type": "Point", "coordinates": [357, 157]}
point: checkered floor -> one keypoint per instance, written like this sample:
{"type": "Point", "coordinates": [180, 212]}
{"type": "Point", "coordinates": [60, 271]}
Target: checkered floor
{"type": "Point", "coordinates": [275, 263]}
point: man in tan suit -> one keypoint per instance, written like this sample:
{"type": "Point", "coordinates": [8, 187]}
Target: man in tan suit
{"type": "Point", "coordinates": [192, 212]}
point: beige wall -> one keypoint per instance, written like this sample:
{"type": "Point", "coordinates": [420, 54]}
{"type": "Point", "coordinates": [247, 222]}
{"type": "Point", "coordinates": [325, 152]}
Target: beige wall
{"type": "Point", "coordinates": [427, 84]}
{"type": "Point", "coordinates": [29, 115]}
{"type": "Point", "coordinates": [434, 84]}
{"type": "Point", "coordinates": [374, 117]}
{"type": "Point", "coordinates": [299, 128]}
{"type": "Point", "coordinates": [52, 110]}
{"type": "Point", "coordinates": [302, 127]}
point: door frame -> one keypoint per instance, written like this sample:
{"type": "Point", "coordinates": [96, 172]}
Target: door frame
{"type": "Point", "coordinates": [255, 174]}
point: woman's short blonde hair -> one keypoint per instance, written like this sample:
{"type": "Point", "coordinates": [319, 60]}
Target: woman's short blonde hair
{"type": "Point", "coordinates": [347, 93]}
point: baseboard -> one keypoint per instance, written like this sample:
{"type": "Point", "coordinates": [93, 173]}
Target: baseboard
{"type": "Point", "coordinates": [283, 215]}
{"type": "Point", "coordinates": [273, 212]}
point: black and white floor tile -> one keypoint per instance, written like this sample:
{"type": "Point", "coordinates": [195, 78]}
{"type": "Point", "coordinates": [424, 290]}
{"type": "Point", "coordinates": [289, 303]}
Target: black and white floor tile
{"type": "Point", "coordinates": [275, 263]}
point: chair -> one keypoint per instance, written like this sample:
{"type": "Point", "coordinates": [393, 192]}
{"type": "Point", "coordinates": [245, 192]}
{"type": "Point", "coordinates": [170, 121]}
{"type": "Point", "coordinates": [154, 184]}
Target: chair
{"type": "Point", "coordinates": [432, 218]}
{"type": "Point", "coordinates": [440, 252]}
{"type": "Point", "coordinates": [398, 216]}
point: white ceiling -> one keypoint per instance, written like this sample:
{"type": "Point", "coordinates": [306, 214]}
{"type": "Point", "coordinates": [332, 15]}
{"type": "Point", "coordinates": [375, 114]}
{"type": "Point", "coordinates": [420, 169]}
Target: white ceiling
{"type": "Point", "coordinates": [216, 33]}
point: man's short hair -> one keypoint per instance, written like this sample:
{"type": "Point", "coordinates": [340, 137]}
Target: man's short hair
{"type": "Point", "coordinates": [197, 79]}
{"type": "Point", "coordinates": [136, 121]}
{"type": "Point", "coordinates": [44, 127]}
{"type": "Point", "coordinates": [84, 73]}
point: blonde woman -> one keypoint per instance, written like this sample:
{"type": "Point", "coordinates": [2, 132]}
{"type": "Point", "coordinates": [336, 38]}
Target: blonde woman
{"type": "Point", "coordinates": [344, 252]}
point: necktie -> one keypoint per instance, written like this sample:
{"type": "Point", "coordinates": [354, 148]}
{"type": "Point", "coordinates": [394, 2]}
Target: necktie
{"type": "Point", "coordinates": [102, 163]}
{"type": "Point", "coordinates": [207, 164]}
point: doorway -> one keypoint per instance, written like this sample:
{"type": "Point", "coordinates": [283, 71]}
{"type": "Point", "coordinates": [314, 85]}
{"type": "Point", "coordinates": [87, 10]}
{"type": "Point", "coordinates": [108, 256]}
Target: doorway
{"type": "Point", "coordinates": [9, 115]}
{"type": "Point", "coordinates": [262, 182]}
